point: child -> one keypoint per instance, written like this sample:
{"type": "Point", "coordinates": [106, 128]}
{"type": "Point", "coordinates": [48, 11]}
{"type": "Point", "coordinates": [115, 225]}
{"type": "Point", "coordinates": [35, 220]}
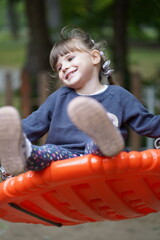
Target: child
{"type": "Point", "coordinates": [82, 117]}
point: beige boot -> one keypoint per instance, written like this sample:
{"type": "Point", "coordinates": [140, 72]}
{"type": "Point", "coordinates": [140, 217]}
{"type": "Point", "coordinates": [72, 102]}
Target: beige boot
{"type": "Point", "coordinates": [12, 155]}
{"type": "Point", "coordinates": [90, 117]}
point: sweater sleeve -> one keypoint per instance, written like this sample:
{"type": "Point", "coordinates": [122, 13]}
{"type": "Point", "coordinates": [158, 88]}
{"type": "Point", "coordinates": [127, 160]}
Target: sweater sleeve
{"type": "Point", "coordinates": [38, 122]}
{"type": "Point", "coordinates": [138, 117]}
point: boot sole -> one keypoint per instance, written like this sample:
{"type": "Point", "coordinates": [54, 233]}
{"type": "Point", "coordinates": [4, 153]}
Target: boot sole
{"type": "Point", "coordinates": [91, 117]}
{"type": "Point", "coordinates": [11, 155]}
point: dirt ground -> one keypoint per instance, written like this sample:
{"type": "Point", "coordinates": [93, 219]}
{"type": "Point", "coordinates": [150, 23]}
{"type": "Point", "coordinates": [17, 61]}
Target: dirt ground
{"type": "Point", "coordinates": [145, 228]}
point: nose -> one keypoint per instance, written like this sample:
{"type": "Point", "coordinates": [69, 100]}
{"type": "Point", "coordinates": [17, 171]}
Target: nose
{"type": "Point", "coordinates": [65, 66]}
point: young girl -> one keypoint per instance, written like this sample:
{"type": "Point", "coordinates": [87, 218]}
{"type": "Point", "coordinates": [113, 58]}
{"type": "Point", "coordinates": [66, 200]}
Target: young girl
{"type": "Point", "coordinates": [82, 117]}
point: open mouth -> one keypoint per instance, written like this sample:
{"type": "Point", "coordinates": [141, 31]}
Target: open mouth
{"type": "Point", "coordinates": [70, 74]}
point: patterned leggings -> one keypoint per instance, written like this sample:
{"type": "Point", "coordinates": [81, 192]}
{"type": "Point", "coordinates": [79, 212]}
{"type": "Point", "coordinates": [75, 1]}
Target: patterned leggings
{"type": "Point", "coordinates": [42, 156]}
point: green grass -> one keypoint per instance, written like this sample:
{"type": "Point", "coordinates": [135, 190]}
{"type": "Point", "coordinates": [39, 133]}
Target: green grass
{"type": "Point", "coordinates": [12, 52]}
{"type": "Point", "coordinates": [146, 61]}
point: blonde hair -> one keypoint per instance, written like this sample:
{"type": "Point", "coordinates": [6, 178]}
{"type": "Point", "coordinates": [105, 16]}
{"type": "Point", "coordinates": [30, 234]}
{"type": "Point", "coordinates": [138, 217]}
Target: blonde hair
{"type": "Point", "coordinates": [68, 44]}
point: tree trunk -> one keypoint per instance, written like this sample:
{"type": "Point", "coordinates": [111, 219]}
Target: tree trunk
{"type": "Point", "coordinates": [12, 18]}
{"type": "Point", "coordinates": [120, 46]}
{"type": "Point", "coordinates": [39, 44]}
{"type": "Point", "coordinates": [37, 59]}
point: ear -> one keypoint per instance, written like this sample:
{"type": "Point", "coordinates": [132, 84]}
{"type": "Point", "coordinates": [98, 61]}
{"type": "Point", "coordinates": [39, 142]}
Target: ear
{"type": "Point", "coordinates": [95, 56]}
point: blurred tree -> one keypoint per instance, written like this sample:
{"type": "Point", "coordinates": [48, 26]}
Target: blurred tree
{"type": "Point", "coordinates": [12, 17]}
{"type": "Point", "coordinates": [39, 45]}
{"type": "Point", "coordinates": [120, 37]}
{"type": "Point", "coordinates": [144, 14]}
{"type": "Point", "coordinates": [37, 59]}
{"type": "Point", "coordinates": [105, 19]}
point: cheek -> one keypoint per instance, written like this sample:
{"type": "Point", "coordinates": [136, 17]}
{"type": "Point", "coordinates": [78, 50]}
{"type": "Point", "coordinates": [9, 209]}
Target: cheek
{"type": "Point", "coordinates": [60, 76]}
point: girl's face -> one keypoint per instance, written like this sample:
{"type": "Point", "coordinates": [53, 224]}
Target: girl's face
{"type": "Point", "coordinates": [76, 68]}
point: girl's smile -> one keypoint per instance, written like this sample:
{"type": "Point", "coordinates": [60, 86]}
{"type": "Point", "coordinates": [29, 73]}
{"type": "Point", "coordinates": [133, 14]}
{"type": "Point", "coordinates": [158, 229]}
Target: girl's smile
{"type": "Point", "coordinates": [70, 74]}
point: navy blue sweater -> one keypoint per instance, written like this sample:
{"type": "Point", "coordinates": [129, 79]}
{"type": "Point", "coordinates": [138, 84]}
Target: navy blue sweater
{"type": "Point", "coordinates": [51, 118]}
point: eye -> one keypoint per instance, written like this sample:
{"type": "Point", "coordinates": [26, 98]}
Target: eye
{"type": "Point", "coordinates": [70, 58]}
{"type": "Point", "coordinates": [59, 68]}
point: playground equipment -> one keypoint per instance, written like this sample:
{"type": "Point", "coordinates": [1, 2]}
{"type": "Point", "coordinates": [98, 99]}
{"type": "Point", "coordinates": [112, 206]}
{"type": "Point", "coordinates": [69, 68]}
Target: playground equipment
{"type": "Point", "coordinates": [85, 189]}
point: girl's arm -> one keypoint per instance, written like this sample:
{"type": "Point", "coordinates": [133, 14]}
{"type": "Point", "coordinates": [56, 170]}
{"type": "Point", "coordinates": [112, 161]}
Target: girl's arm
{"type": "Point", "coordinates": [138, 117]}
{"type": "Point", "coordinates": [38, 122]}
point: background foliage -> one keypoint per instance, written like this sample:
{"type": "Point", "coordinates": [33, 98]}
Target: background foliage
{"type": "Point", "coordinates": [140, 44]}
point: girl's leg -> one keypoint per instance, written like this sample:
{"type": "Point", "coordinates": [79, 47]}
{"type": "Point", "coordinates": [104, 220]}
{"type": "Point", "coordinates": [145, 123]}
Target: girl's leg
{"type": "Point", "coordinates": [92, 148]}
{"type": "Point", "coordinates": [16, 150]}
{"type": "Point", "coordinates": [42, 156]}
